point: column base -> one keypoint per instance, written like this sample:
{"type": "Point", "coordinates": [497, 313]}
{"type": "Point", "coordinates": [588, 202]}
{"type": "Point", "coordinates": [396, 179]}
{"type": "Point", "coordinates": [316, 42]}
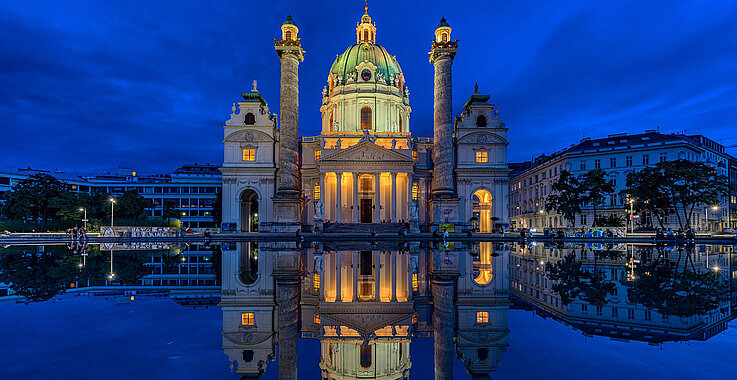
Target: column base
{"type": "Point", "coordinates": [287, 213]}
{"type": "Point", "coordinates": [444, 210]}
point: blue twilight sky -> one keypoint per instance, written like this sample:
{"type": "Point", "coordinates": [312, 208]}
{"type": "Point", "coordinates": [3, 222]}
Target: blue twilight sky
{"type": "Point", "coordinates": [91, 85]}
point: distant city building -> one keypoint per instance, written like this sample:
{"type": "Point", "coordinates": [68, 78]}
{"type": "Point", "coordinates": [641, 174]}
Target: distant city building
{"type": "Point", "coordinates": [193, 188]}
{"type": "Point", "coordinates": [617, 154]}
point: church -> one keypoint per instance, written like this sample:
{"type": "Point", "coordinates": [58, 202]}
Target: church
{"type": "Point", "coordinates": [366, 170]}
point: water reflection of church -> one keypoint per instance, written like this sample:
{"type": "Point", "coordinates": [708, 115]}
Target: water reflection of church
{"type": "Point", "coordinates": [365, 307]}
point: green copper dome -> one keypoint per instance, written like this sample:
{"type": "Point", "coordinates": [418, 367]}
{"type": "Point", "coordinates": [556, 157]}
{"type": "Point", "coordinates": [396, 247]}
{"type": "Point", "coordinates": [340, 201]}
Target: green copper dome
{"type": "Point", "coordinates": [355, 54]}
{"type": "Point", "coordinates": [289, 21]}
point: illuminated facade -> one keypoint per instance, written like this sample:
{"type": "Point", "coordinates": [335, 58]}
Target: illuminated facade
{"type": "Point", "coordinates": [366, 166]}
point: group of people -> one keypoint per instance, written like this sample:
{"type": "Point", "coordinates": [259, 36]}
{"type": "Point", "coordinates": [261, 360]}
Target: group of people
{"type": "Point", "coordinates": [77, 233]}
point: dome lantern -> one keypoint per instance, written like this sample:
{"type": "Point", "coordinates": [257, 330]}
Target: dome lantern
{"type": "Point", "coordinates": [442, 32]}
{"type": "Point", "coordinates": [365, 29]}
{"type": "Point", "coordinates": [289, 29]}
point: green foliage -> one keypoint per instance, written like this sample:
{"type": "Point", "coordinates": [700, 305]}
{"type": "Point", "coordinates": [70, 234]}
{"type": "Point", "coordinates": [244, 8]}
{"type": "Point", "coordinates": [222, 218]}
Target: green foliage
{"type": "Point", "coordinates": [610, 221]}
{"type": "Point", "coordinates": [567, 196]}
{"type": "Point", "coordinates": [676, 187]}
{"type": "Point", "coordinates": [131, 205]}
{"type": "Point", "coordinates": [571, 281]}
{"type": "Point", "coordinates": [594, 186]}
{"type": "Point", "coordinates": [33, 198]}
{"type": "Point", "coordinates": [170, 209]}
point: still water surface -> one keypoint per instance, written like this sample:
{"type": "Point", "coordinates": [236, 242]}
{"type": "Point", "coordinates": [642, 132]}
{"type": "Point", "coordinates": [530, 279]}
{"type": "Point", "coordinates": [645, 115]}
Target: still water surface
{"type": "Point", "coordinates": [353, 310]}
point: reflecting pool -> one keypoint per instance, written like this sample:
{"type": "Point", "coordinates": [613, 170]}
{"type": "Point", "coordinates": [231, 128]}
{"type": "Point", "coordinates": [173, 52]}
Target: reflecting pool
{"type": "Point", "coordinates": [354, 310]}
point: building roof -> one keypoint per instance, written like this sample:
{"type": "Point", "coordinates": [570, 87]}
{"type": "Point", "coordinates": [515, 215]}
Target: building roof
{"type": "Point", "coordinates": [356, 54]}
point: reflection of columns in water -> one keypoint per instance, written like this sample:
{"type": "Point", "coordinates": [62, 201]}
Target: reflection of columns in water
{"type": "Point", "coordinates": [394, 275]}
{"type": "Point", "coordinates": [377, 280]}
{"type": "Point", "coordinates": [355, 277]}
{"type": "Point", "coordinates": [338, 274]}
{"type": "Point", "coordinates": [355, 199]}
{"type": "Point", "coordinates": [377, 197]}
{"type": "Point", "coordinates": [288, 293]}
{"type": "Point", "coordinates": [394, 197]}
{"type": "Point", "coordinates": [443, 320]}
{"type": "Point", "coordinates": [339, 196]}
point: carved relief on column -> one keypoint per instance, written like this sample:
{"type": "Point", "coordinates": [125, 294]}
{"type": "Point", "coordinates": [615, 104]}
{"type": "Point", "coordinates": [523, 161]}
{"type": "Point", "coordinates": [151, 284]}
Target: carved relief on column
{"type": "Point", "coordinates": [288, 290]}
{"type": "Point", "coordinates": [443, 320]}
{"type": "Point", "coordinates": [290, 55]}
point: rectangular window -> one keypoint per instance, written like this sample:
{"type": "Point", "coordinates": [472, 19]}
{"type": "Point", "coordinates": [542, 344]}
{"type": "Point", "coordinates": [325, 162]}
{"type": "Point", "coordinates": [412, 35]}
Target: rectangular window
{"type": "Point", "coordinates": [317, 319]}
{"type": "Point", "coordinates": [615, 312]}
{"type": "Point", "coordinates": [663, 157]}
{"type": "Point", "coordinates": [247, 319]}
{"type": "Point", "coordinates": [648, 315]}
{"type": "Point", "coordinates": [316, 192]}
{"type": "Point", "coordinates": [583, 165]}
{"type": "Point", "coordinates": [482, 317]}
{"type": "Point", "coordinates": [249, 154]}
{"type": "Point", "coordinates": [631, 313]}
{"type": "Point", "coordinates": [415, 191]}
{"type": "Point", "coordinates": [415, 282]}
{"type": "Point", "coordinates": [598, 310]}
{"type": "Point", "coordinates": [646, 159]}
{"type": "Point", "coordinates": [613, 162]}
{"type": "Point", "coordinates": [597, 164]}
{"type": "Point", "coordinates": [482, 156]}
{"type": "Point", "coordinates": [316, 281]}
{"type": "Point", "coordinates": [628, 160]}
{"type": "Point", "coordinates": [584, 307]}
{"type": "Point", "coordinates": [414, 155]}
{"type": "Point", "coordinates": [317, 154]}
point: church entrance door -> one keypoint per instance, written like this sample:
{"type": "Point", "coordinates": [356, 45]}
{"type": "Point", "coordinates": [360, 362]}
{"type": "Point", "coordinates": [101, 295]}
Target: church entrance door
{"type": "Point", "coordinates": [366, 211]}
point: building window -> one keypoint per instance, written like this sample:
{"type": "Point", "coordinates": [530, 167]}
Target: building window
{"type": "Point", "coordinates": [648, 315]}
{"type": "Point", "coordinates": [615, 312]}
{"type": "Point", "coordinates": [598, 310]}
{"type": "Point", "coordinates": [288, 35]}
{"type": "Point", "coordinates": [415, 191]}
{"type": "Point", "coordinates": [316, 192]}
{"type": "Point", "coordinates": [415, 282]}
{"type": "Point", "coordinates": [613, 162]}
{"type": "Point", "coordinates": [445, 38]}
{"type": "Point", "coordinates": [317, 319]}
{"type": "Point", "coordinates": [366, 117]}
{"type": "Point", "coordinates": [366, 35]}
{"type": "Point", "coordinates": [584, 307]}
{"type": "Point", "coordinates": [249, 154]}
{"type": "Point", "coordinates": [631, 313]}
{"type": "Point", "coordinates": [597, 164]}
{"type": "Point", "coordinates": [482, 317]}
{"type": "Point", "coordinates": [317, 154]}
{"type": "Point", "coordinates": [646, 159]}
{"type": "Point", "coordinates": [482, 156]}
{"type": "Point", "coordinates": [663, 157]}
{"type": "Point", "coordinates": [481, 121]}
{"type": "Point", "coordinates": [400, 123]}
{"type": "Point", "coordinates": [316, 282]}
{"type": "Point", "coordinates": [365, 356]}
{"type": "Point", "coordinates": [247, 319]}
{"type": "Point", "coordinates": [414, 155]}
{"type": "Point", "coordinates": [415, 318]}
{"type": "Point", "coordinates": [582, 166]}
{"type": "Point", "coordinates": [250, 119]}
{"type": "Point", "coordinates": [628, 161]}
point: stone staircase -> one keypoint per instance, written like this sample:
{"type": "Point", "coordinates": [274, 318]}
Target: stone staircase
{"type": "Point", "coordinates": [379, 228]}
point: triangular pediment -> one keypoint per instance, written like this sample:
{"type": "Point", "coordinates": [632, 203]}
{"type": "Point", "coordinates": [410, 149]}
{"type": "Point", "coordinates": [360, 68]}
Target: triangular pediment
{"type": "Point", "coordinates": [366, 151]}
{"type": "Point", "coordinates": [368, 322]}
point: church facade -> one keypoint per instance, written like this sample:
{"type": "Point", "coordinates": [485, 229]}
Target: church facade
{"type": "Point", "coordinates": [366, 167]}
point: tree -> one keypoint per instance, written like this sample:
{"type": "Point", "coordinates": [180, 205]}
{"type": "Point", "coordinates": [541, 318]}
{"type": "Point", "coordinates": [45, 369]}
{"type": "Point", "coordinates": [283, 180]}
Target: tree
{"type": "Point", "coordinates": [678, 187]}
{"type": "Point", "coordinates": [643, 189]}
{"type": "Point", "coordinates": [38, 276]}
{"type": "Point", "coordinates": [595, 187]}
{"type": "Point", "coordinates": [33, 197]}
{"type": "Point", "coordinates": [131, 205]}
{"type": "Point", "coordinates": [170, 209]}
{"type": "Point", "coordinates": [567, 197]}
{"type": "Point", "coordinates": [217, 209]}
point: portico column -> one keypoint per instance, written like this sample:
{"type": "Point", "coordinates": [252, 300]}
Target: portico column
{"type": "Point", "coordinates": [377, 197]}
{"type": "Point", "coordinates": [377, 278]}
{"type": "Point", "coordinates": [394, 197]}
{"type": "Point", "coordinates": [394, 275]}
{"type": "Point", "coordinates": [409, 196]}
{"type": "Point", "coordinates": [338, 196]}
{"type": "Point", "coordinates": [323, 190]}
{"type": "Point", "coordinates": [355, 276]}
{"type": "Point", "coordinates": [338, 295]}
{"type": "Point", "coordinates": [355, 197]}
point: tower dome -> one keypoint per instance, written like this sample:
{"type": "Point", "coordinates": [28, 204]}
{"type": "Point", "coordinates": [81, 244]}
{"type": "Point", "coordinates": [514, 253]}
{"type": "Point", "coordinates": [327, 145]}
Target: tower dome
{"type": "Point", "coordinates": [365, 87]}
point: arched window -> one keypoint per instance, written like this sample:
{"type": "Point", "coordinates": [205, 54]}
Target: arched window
{"type": "Point", "coordinates": [372, 36]}
{"type": "Point", "coordinates": [483, 353]}
{"type": "Point", "coordinates": [366, 117]}
{"type": "Point", "coordinates": [400, 123]}
{"type": "Point", "coordinates": [365, 35]}
{"type": "Point", "coordinates": [445, 37]}
{"type": "Point", "coordinates": [365, 356]}
{"type": "Point", "coordinates": [288, 35]}
{"type": "Point", "coordinates": [481, 121]}
{"type": "Point", "coordinates": [330, 126]}
{"type": "Point", "coordinates": [247, 356]}
{"type": "Point", "coordinates": [250, 119]}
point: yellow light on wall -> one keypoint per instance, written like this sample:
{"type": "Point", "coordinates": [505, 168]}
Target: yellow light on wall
{"type": "Point", "coordinates": [247, 319]}
{"type": "Point", "coordinates": [415, 282]}
{"type": "Point", "coordinates": [482, 317]}
{"type": "Point", "coordinates": [482, 156]}
{"type": "Point", "coordinates": [249, 154]}
{"type": "Point", "coordinates": [414, 155]}
{"type": "Point", "coordinates": [317, 319]}
{"type": "Point", "coordinates": [316, 192]}
{"type": "Point", "coordinates": [415, 191]}
{"type": "Point", "coordinates": [316, 281]}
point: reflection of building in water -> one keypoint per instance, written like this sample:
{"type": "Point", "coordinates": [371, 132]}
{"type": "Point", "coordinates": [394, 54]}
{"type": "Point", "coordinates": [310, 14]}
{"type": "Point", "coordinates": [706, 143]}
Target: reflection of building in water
{"type": "Point", "coordinates": [617, 316]}
{"type": "Point", "coordinates": [366, 307]}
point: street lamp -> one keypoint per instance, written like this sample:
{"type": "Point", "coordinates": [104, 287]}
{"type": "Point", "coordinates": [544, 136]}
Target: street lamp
{"type": "Point", "coordinates": [184, 213]}
{"type": "Point", "coordinates": [84, 209]}
{"type": "Point", "coordinates": [112, 212]}
{"type": "Point", "coordinates": [632, 216]}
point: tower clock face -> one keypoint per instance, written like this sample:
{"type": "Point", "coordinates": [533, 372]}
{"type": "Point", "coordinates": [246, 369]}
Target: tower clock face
{"type": "Point", "coordinates": [366, 75]}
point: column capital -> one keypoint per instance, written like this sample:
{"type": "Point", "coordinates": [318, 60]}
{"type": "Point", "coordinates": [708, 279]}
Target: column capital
{"type": "Point", "coordinates": [289, 48]}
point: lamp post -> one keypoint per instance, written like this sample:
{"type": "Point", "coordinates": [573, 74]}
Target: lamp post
{"type": "Point", "coordinates": [112, 212]}
{"type": "Point", "coordinates": [715, 208]}
{"type": "Point", "coordinates": [184, 213]}
{"type": "Point", "coordinates": [84, 209]}
{"type": "Point", "coordinates": [632, 216]}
